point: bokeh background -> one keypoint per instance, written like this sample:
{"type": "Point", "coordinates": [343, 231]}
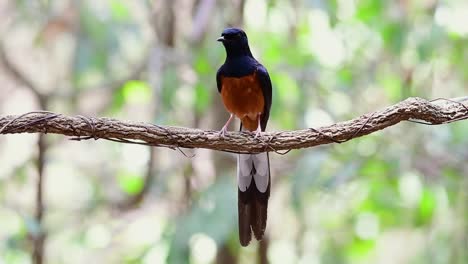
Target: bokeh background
{"type": "Point", "coordinates": [396, 196]}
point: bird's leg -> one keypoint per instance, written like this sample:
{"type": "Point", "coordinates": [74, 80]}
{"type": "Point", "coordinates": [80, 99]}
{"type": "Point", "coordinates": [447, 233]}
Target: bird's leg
{"type": "Point", "coordinates": [259, 128]}
{"type": "Point", "coordinates": [223, 130]}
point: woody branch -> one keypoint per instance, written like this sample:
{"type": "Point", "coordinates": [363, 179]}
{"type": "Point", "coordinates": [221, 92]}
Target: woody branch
{"type": "Point", "coordinates": [435, 112]}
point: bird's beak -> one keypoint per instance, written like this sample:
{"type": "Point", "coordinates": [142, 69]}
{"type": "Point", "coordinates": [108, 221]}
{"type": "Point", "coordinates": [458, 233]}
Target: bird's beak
{"type": "Point", "coordinates": [220, 39]}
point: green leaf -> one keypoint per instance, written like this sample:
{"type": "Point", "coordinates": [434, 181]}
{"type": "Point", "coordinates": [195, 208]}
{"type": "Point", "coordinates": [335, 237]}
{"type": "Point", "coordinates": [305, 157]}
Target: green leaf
{"type": "Point", "coordinates": [427, 205]}
{"type": "Point", "coordinates": [367, 10]}
{"type": "Point", "coordinates": [135, 91]}
{"type": "Point", "coordinates": [374, 168]}
{"type": "Point", "coordinates": [360, 248]}
{"type": "Point", "coordinates": [130, 183]}
{"type": "Point", "coordinates": [119, 10]}
{"type": "Point", "coordinates": [202, 97]}
{"type": "Point", "coordinates": [202, 65]}
{"type": "Point", "coordinates": [345, 75]}
{"type": "Point", "coordinates": [287, 87]}
{"type": "Point", "coordinates": [392, 84]}
{"type": "Point", "coordinates": [273, 53]}
{"type": "Point", "coordinates": [393, 35]}
{"type": "Point", "coordinates": [170, 85]}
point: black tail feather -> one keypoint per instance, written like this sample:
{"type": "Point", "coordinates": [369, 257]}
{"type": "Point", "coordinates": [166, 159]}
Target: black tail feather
{"type": "Point", "coordinates": [252, 213]}
{"type": "Point", "coordinates": [244, 214]}
{"type": "Point", "coordinates": [260, 209]}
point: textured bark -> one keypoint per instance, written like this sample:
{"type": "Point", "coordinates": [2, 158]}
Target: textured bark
{"type": "Point", "coordinates": [440, 111]}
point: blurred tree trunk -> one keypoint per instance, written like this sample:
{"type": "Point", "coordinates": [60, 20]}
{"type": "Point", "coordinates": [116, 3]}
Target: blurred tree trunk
{"type": "Point", "coordinates": [225, 256]}
{"type": "Point", "coordinates": [39, 237]}
{"type": "Point", "coordinates": [263, 250]}
{"type": "Point", "coordinates": [238, 19]}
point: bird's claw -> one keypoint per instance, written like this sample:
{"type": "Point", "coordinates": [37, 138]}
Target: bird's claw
{"type": "Point", "coordinates": [258, 132]}
{"type": "Point", "coordinates": [223, 131]}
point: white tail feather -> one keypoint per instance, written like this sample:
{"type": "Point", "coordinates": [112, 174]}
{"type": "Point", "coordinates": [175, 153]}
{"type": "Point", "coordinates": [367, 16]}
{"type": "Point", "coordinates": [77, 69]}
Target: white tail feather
{"type": "Point", "coordinates": [245, 165]}
{"type": "Point", "coordinates": [261, 177]}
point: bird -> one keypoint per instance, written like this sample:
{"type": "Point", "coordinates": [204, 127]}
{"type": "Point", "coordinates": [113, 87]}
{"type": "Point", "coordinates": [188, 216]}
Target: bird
{"type": "Point", "coordinates": [246, 91]}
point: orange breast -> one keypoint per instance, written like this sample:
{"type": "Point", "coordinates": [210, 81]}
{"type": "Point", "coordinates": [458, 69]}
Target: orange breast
{"type": "Point", "coordinates": [243, 97]}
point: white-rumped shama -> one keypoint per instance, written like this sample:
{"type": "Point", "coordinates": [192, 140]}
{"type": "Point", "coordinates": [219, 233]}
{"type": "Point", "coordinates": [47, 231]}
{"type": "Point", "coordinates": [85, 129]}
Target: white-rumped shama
{"type": "Point", "coordinates": [245, 88]}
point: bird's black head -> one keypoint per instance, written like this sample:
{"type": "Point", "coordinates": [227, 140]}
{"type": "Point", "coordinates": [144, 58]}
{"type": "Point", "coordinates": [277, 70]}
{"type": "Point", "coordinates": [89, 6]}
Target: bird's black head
{"type": "Point", "coordinates": [235, 41]}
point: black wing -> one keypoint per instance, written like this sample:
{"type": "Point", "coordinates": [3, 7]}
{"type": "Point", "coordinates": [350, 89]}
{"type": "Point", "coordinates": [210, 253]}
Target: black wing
{"type": "Point", "coordinates": [265, 82]}
{"type": "Point", "coordinates": [219, 74]}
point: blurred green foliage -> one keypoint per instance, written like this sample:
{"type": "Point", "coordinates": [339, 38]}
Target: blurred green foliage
{"type": "Point", "coordinates": [397, 196]}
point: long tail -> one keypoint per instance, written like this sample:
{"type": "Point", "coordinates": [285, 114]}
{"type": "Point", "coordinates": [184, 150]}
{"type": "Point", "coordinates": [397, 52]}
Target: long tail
{"type": "Point", "coordinates": [253, 197]}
